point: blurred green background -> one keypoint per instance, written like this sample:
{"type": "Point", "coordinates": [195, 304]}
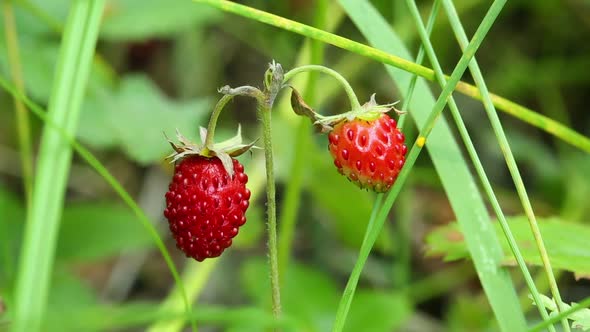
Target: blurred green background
{"type": "Point", "coordinates": [158, 67]}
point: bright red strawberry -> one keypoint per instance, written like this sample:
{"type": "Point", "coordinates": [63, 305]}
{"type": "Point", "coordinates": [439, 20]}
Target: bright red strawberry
{"type": "Point", "coordinates": [205, 205]}
{"type": "Point", "coordinates": [369, 153]}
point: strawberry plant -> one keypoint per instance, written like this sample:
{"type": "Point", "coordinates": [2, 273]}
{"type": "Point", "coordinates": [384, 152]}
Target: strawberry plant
{"type": "Point", "coordinates": [446, 207]}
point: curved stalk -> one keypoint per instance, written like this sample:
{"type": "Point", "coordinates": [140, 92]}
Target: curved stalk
{"type": "Point", "coordinates": [354, 102]}
{"type": "Point", "coordinates": [213, 120]}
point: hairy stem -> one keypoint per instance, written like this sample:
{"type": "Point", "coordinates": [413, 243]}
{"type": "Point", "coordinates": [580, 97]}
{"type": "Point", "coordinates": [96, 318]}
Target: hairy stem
{"type": "Point", "coordinates": [264, 109]}
{"type": "Point", "coordinates": [213, 120]}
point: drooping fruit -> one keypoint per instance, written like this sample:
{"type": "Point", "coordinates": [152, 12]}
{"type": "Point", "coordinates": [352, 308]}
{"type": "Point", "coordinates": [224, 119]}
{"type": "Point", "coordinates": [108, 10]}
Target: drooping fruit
{"type": "Point", "coordinates": [365, 142]}
{"type": "Point", "coordinates": [207, 198]}
{"type": "Point", "coordinates": [370, 152]}
{"type": "Point", "coordinates": [205, 205]}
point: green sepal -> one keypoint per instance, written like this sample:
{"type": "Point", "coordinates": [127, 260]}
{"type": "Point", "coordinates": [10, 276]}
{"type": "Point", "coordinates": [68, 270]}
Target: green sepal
{"type": "Point", "coordinates": [225, 150]}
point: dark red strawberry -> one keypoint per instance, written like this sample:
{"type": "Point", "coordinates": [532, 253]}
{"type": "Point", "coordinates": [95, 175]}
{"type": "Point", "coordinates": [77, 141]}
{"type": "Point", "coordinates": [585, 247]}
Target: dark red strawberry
{"type": "Point", "coordinates": [205, 205]}
{"type": "Point", "coordinates": [369, 153]}
{"type": "Point", "coordinates": [207, 198]}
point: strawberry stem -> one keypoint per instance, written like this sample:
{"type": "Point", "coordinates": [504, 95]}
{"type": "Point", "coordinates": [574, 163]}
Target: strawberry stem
{"type": "Point", "coordinates": [264, 111]}
{"type": "Point", "coordinates": [354, 102]}
{"type": "Point", "coordinates": [213, 120]}
{"type": "Point", "coordinates": [273, 83]}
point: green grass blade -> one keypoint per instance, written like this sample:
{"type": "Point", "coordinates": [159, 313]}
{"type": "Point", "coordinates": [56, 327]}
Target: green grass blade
{"type": "Point", "coordinates": [348, 294]}
{"type": "Point", "coordinates": [419, 59]}
{"type": "Point", "coordinates": [349, 290]}
{"type": "Point", "coordinates": [40, 236]}
{"type": "Point", "coordinates": [446, 156]}
{"type": "Point", "coordinates": [551, 126]}
{"type": "Point", "coordinates": [111, 180]}
{"type": "Point", "coordinates": [512, 167]}
{"type": "Point", "coordinates": [415, 14]}
{"type": "Point", "coordinates": [402, 267]}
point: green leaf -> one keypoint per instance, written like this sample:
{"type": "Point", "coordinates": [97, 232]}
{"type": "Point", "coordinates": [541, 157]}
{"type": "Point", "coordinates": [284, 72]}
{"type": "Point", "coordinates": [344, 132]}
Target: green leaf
{"type": "Point", "coordinates": [580, 319]}
{"type": "Point", "coordinates": [134, 117]}
{"type": "Point", "coordinates": [38, 57]}
{"type": "Point", "coordinates": [141, 19]}
{"type": "Point", "coordinates": [91, 231]}
{"type": "Point", "coordinates": [566, 243]}
{"type": "Point", "coordinates": [69, 292]}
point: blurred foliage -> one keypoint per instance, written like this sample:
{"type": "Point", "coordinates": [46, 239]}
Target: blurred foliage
{"type": "Point", "coordinates": [111, 119]}
{"type": "Point", "coordinates": [565, 242]}
{"type": "Point", "coordinates": [312, 297]}
{"type": "Point", "coordinates": [157, 69]}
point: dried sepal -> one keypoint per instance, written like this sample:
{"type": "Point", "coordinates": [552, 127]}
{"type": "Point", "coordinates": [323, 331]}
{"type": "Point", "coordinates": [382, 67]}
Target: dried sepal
{"type": "Point", "coordinates": [300, 107]}
{"type": "Point", "coordinates": [369, 111]}
{"type": "Point", "coordinates": [185, 148]}
{"type": "Point", "coordinates": [225, 150]}
{"type": "Point", "coordinates": [226, 162]}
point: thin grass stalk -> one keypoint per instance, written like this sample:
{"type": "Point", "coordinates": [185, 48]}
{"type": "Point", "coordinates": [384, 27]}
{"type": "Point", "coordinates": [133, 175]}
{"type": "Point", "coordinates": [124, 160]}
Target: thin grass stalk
{"type": "Point", "coordinates": [40, 236]}
{"type": "Point", "coordinates": [403, 267]}
{"type": "Point", "coordinates": [22, 116]}
{"type": "Point", "coordinates": [264, 113]}
{"type": "Point", "coordinates": [550, 126]}
{"type": "Point", "coordinates": [348, 294]}
{"type": "Point", "coordinates": [111, 180]}
{"type": "Point", "coordinates": [512, 167]}
{"type": "Point", "coordinates": [502, 296]}
{"type": "Point", "coordinates": [415, 14]}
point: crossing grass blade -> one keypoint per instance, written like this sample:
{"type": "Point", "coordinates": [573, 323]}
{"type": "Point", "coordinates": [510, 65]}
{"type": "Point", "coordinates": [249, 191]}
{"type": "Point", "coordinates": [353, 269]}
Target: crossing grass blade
{"type": "Point", "coordinates": [415, 14]}
{"type": "Point", "coordinates": [40, 237]}
{"type": "Point", "coordinates": [514, 172]}
{"type": "Point", "coordinates": [381, 54]}
{"type": "Point", "coordinates": [454, 172]}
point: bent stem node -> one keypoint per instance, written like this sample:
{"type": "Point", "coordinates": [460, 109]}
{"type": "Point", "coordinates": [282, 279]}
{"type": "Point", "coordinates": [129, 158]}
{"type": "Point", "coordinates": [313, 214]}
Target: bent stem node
{"type": "Point", "coordinates": [273, 83]}
{"type": "Point", "coordinates": [354, 102]}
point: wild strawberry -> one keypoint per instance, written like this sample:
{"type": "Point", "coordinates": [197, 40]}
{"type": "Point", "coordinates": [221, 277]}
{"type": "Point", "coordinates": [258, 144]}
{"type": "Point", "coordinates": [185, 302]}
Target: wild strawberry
{"type": "Point", "coordinates": [205, 206]}
{"type": "Point", "coordinates": [365, 143]}
{"type": "Point", "coordinates": [207, 198]}
{"type": "Point", "coordinates": [369, 153]}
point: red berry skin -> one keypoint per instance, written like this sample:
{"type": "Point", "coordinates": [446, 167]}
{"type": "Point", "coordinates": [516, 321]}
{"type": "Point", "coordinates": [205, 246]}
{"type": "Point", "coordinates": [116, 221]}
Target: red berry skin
{"type": "Point", "coordinates": [369, 153]}
{"type": "Point", "coordinates": [205, 207]}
